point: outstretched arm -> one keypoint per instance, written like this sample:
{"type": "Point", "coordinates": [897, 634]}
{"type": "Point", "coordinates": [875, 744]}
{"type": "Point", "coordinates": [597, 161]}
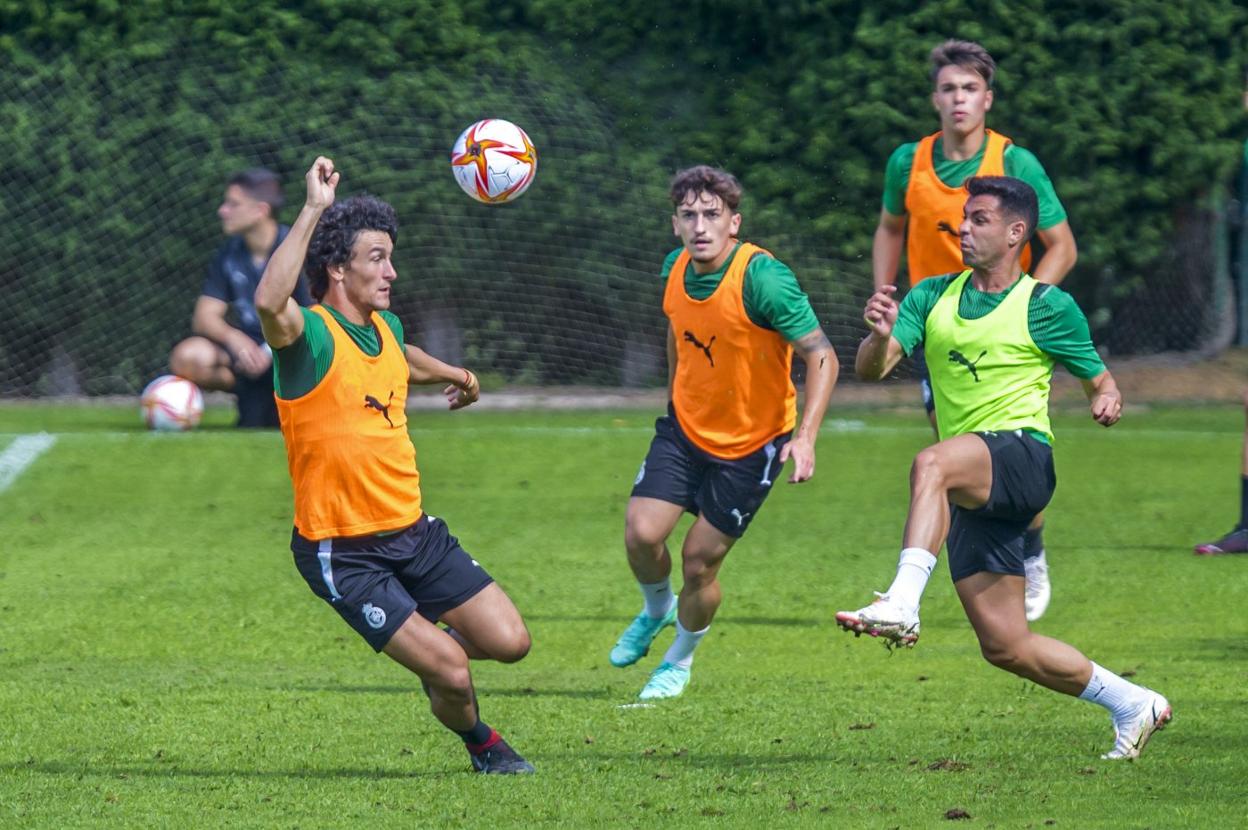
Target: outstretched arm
{"type": "Point", "coordinates": [462, 387]}
{"type": "Point", "coordinates": [822, 369]}
{"type": "Point", "coordinates": [879, 352]}
{"type": "Point", "coordinates": [280, 318]}
{"type": "Point", "coordinates": [1105, 398]}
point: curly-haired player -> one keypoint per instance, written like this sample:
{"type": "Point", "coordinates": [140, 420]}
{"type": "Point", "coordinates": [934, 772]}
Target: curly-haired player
{"type": "Point", "coordinates": [361, 538]}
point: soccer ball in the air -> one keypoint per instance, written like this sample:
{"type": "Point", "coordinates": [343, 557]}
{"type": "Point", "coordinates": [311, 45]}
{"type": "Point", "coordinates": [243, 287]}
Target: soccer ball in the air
{"type": "Point", "coordinates": [494, 161]}
{"type": "Point", "coordinates": [171, 403]}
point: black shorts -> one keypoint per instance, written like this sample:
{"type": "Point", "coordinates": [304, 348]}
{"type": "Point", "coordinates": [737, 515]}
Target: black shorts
{"type": "Point", "coordinates": [919, 356]}
{"type": "Point", "coordinates": [376, 582]}
{"type": "Point", "coordinates": [991, 537]}
{"type": "Point", "coordinates": [727, 492]}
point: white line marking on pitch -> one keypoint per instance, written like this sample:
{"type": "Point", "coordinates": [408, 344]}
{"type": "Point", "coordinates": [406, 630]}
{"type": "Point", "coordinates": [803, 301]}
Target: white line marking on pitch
{"type": "Point", "coordinates": [21, 454]}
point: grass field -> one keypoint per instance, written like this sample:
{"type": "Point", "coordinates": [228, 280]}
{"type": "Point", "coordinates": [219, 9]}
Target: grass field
{"type": "Point", "coordinates": [163, 665]}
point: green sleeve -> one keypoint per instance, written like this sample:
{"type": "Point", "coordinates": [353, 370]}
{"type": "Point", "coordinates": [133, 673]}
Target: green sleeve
{"type": "Point", "coordinates": [396, 326]}
{"type": "Point", "coordinates": [669, 262]}
{"type": "Point", "coordinates": [772, 295]}
{"type": "Point", "coordinates": [1023, 164]}
{"type": "Point", "coordinates": [897, 178]}
{"type": "Point", "coordinates": [299, 367]}
{"type": "Point", "coordinates": [1059, 328]}
{"type": "Point", "coordinates": [911, 326]}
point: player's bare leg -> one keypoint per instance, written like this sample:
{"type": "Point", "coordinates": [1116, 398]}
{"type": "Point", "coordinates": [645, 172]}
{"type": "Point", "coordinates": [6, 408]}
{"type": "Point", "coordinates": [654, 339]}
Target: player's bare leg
{"type": "Point", "coordinates": [432, 654]}
{"type": "Point", "coordinates": [488, 627]}
{"type": "Point", "coordinates": [994, 605]}
{"type": "Point", "coordinates": [701, 557]}
{"type": "Point", "coordinates": [442, 665]}
{"type": "Point", "coordinates": [646, 527]}
{"type": "Point", "coordinates": [958, 470]}
{"type": "Point", "coordinates": [204, 363]}
{"type": "Point", "coordinates": [648, 524]}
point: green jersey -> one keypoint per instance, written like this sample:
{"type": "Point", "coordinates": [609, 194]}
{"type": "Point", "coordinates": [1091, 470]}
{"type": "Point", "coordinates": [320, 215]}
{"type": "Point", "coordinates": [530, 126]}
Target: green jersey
{"type": "Point", "coordinates": [1053, 323]}
{"type": "Point", "coordinates": [995, 377]}
{"type": "Point", "coordinates": [300, 366]}
{"type": "Point", "coordinates": [1019, 163]}
{"type": "Point", "coordinates": [773, 299]}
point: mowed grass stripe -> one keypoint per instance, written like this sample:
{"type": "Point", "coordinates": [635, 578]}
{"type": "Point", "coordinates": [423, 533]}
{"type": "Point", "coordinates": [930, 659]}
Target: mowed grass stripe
{"type": "Point", "coordinates": [161, 662]}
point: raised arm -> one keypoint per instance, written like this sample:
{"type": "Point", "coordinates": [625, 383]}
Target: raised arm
{"type": "Point", "coordinates": [879, 352]}
{"type": "Point", "coordinates": [280, 318]}
{"type": "Point", "coordinates": [1105, 398]}
{"type": "Point", "coordinates": [462, 387]}
{"type": "Point", "coordinates": [822, 369]}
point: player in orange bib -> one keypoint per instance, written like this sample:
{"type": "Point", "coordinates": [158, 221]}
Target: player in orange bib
{"type": "Point", "coordinates": [736, 315]}
{"type": "Point", "coordinates": [922, 210]}
{"type": "Point", "coordinates": [362, 540]}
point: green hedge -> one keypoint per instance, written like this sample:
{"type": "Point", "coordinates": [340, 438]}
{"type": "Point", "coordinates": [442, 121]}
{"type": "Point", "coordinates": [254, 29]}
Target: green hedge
{"type": "Point", "coordinates": [120, 121]}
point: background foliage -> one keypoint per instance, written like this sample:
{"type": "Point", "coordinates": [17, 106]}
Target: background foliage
{"type": "Point", "coordinates": [121, 121]}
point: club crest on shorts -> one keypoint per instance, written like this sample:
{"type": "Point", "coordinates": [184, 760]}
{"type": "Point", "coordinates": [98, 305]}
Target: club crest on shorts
{"type": "Point", "coordinates": [640, 474]}
{"type": "Point", "coordinates": [374, 616]}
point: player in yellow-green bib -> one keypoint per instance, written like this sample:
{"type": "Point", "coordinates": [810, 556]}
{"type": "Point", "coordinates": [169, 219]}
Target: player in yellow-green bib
{"type": "Point", "coordinates": [993, 334]}
{"type": "Point", "coordinates": [922, 206]}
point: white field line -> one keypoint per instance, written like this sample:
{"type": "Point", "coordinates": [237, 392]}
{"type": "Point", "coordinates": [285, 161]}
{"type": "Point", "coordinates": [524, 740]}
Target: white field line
{"type": "Point", "coordinates": [20, 454]}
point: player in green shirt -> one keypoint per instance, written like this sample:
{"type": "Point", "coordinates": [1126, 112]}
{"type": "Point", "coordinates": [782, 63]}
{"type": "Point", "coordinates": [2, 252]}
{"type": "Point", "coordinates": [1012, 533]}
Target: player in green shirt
{"type": "Point", "coordinates": [962, 74]}
{"type": "Point", "coordinates": [731, 423]}
{"type": "Point", "coordinates": [993, 344]}
{"type": "Point", "coordinates": [773, 297]}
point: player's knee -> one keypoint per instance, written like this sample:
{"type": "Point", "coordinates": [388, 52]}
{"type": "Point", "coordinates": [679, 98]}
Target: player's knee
{"type": "Point", "coordinates": [182, 359]}
{"type": "Point", "coordinates": [928, 468]}
{"type": "Point", "coordinates": [192, 357]}
{"type": "Point", "coordinates": [451, 684]}
{"type": "Point", "coordinates": [515, 647]}
{"type": "Point", "coordinates": [698, 572]}
{"type": "Point", "coordinates": [642, 535]}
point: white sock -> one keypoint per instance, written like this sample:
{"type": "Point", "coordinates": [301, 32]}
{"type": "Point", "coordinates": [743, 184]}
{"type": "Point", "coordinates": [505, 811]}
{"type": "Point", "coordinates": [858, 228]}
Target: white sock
{"type": "Point", "coordinates": [913, 568]}
{"type": "Point", "coordinates": [659, 597]}
{"type": "Point", "coordinates": [1121, 697]}
{"type": "Point", "coordinates": [681, 652]}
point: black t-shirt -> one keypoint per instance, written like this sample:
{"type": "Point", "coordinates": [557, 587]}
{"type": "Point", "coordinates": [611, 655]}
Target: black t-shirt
{"type": "Point", "coordinates": [233, 276]}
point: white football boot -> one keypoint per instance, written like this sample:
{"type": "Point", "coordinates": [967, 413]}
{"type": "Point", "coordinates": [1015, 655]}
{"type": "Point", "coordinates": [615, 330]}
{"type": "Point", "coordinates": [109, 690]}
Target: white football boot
{"type": "Point", "coordinates": [1132, 733]}
{"type": "Point", "coordinates": [898, 625]}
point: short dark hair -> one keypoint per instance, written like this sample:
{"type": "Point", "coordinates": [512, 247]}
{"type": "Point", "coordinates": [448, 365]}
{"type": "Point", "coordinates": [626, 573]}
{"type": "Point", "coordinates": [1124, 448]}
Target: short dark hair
{"type": "Point", "coordinates": [336, 233]}
{"type": "Point", "coordinates": [706, 179]}
{"type": "Point", "coordinates": [965, 54]}
{"type": "Point", "coordinates": [1017, 198]}
{"type": "Point", "coordinates": [261, 184]}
